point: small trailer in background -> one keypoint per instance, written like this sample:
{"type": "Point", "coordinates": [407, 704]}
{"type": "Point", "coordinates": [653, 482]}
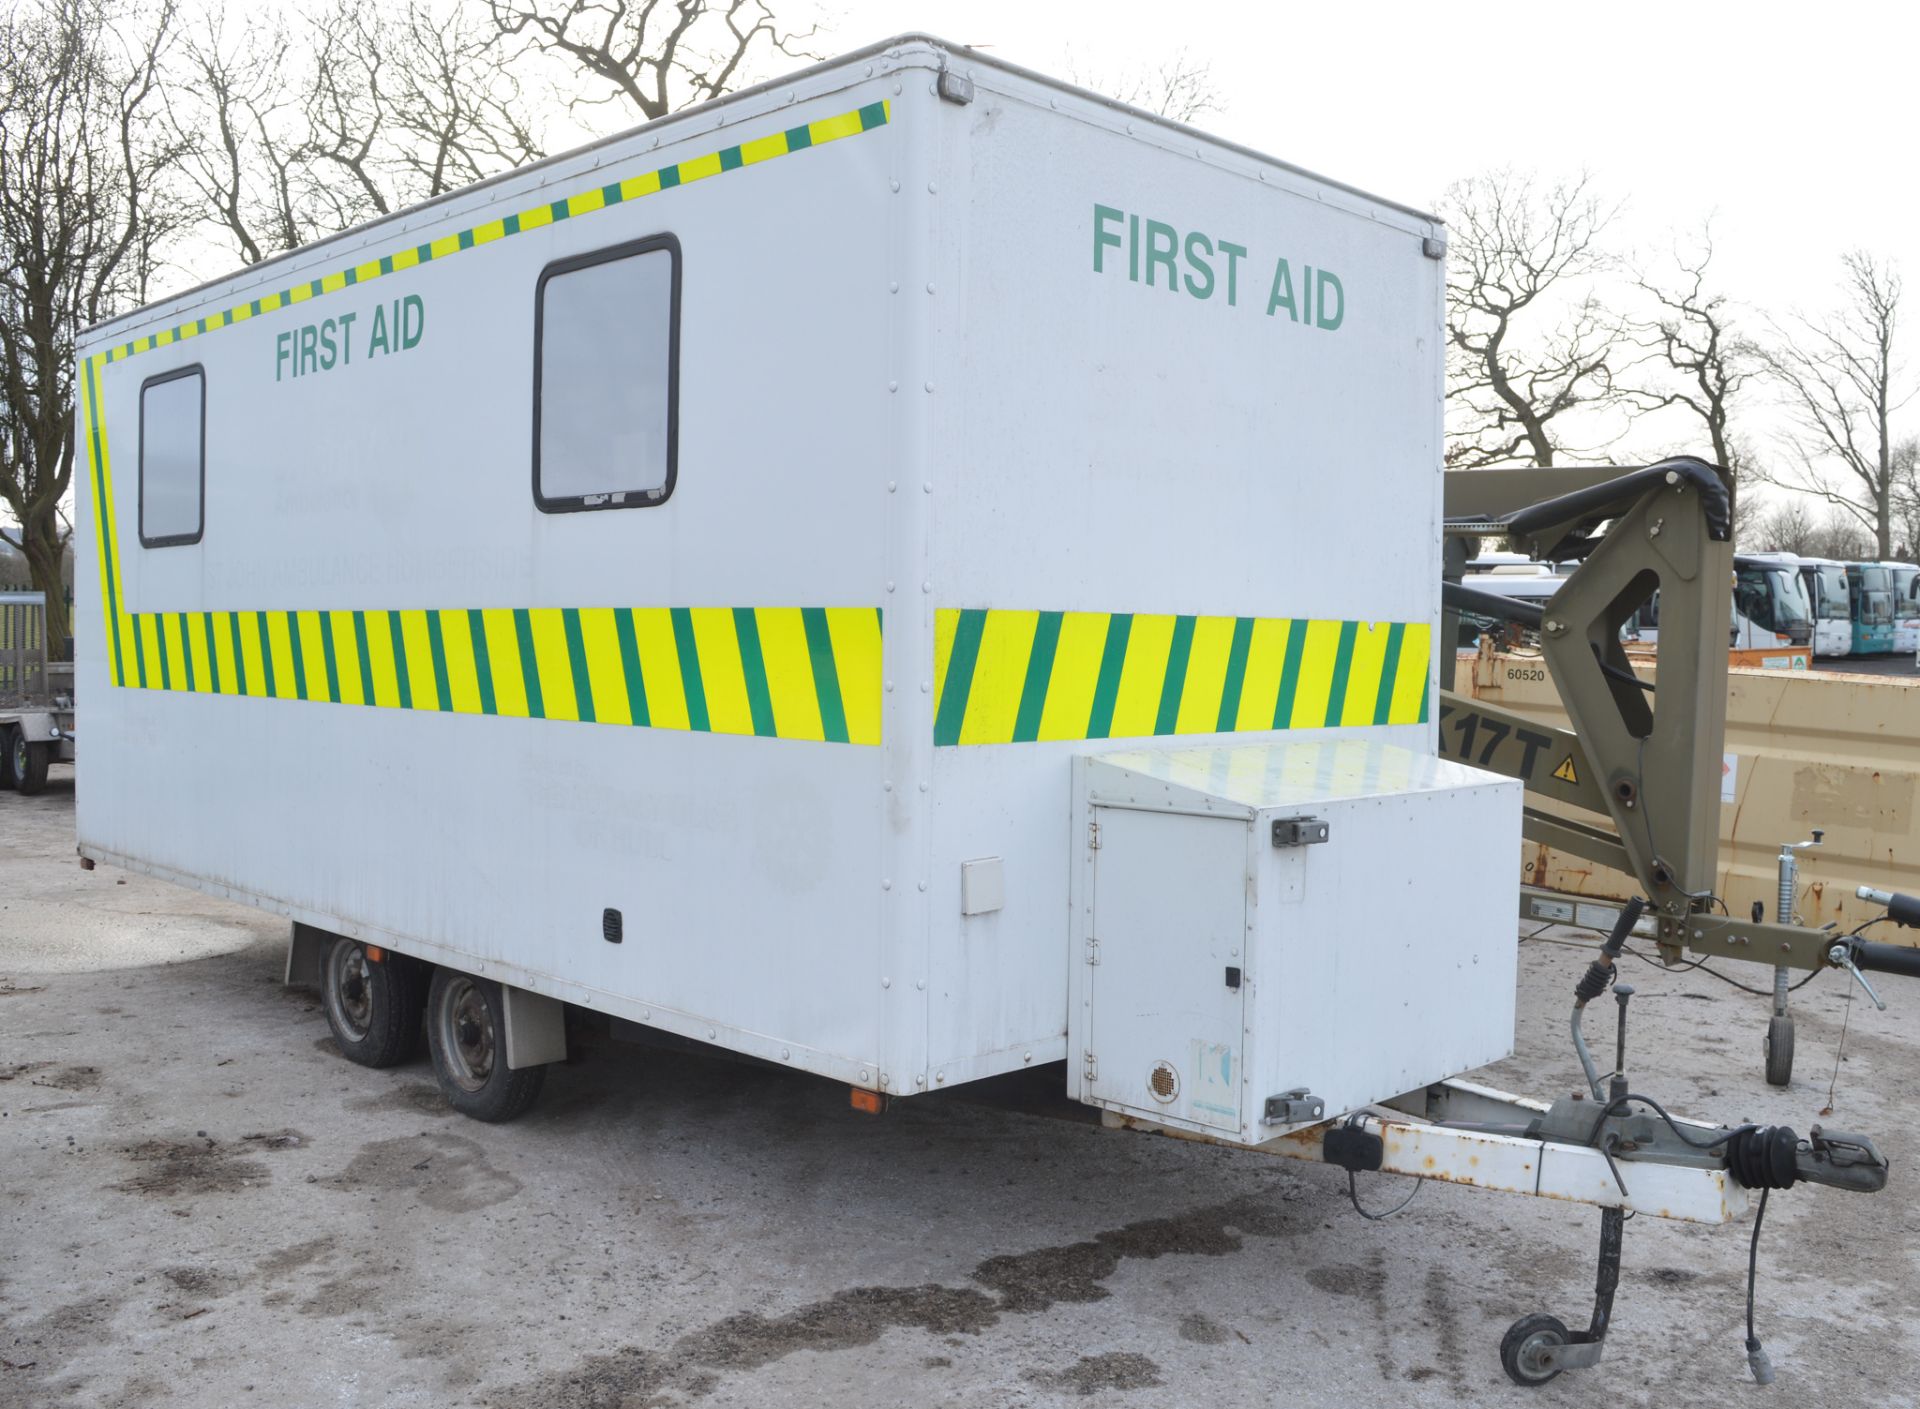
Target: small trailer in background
{"type": "Point", "coordinates": [36, 695]}
{"type": "Point", "coordinates": [856, 573]}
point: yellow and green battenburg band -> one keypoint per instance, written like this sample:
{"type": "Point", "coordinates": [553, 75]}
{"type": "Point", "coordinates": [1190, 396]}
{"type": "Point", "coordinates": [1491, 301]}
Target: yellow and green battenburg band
{"type": "Point", "coordinates": [1005, 677]}
{"type": "Point", "coordinates": [774, 672]}
{"type": "Point", "coordinates": [666, 178]}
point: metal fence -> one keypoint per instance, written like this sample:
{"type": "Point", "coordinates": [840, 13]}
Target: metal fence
{"type": "Point", "coordinates": [23, 646]}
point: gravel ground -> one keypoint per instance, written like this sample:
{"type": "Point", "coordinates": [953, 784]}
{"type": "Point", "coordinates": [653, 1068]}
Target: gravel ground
{"type": "Point", "coordinates": [203, 1204]}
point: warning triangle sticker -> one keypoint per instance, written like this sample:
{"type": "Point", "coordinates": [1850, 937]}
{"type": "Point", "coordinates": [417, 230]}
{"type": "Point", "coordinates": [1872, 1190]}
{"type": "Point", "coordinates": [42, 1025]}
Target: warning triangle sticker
{"type": "Point", "coordinates": [1565, 772]}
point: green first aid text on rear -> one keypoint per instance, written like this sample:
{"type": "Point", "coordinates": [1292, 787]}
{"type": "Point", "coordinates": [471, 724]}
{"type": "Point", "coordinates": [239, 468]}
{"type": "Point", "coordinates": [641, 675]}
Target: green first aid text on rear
{"type": "Point", "coordinates": [1203, 266]}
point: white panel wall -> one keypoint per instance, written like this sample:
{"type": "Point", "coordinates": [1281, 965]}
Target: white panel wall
{"type": "Point", "coordinates": [747, 869]}
{"type": "Point", "coordinates": [1106, 446]}
{"type": "Point", "coordinates": [903, 386]}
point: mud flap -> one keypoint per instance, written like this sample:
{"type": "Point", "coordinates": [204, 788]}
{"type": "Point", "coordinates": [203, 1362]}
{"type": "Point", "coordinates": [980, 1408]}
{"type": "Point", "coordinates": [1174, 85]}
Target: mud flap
{"type": "Point", "coordinates": [306, 949]}
{"type": "Point", "coordinates": [536, 1028]}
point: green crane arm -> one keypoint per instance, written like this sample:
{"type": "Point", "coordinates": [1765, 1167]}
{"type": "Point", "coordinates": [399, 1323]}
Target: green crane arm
{"type": "Point", "coordinates": [1645, 758]}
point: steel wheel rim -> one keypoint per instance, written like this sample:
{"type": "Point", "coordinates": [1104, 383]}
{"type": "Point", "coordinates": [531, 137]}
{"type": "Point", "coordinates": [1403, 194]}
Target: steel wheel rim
{"type": "Point", "coordinates": [1536, 1354]}
{"type": "Point", "coordinates": [19, 754]}
{"type": "Point", "coordinates": [350, 990]}
{"type": "Point", "coordinates": [465, 1022]}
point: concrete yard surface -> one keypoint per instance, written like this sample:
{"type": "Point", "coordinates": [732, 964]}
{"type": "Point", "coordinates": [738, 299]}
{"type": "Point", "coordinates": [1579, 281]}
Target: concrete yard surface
{"type": "Point", "coordinates": [203, 1204]}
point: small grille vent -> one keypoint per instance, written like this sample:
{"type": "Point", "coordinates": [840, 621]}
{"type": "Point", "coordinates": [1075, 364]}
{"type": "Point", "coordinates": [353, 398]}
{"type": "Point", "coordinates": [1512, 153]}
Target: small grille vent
{"type": "Point", "coordinates": [610, 929]}
{"type": "Point", "coordinates": [1163, 1081]}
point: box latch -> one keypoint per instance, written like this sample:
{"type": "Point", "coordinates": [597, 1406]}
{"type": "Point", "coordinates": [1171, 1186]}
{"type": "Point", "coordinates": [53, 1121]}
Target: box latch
{"type": "Point", "coordinates": [1299, 831]}
{"type": "Point", "coordinates": [1292, 1107]}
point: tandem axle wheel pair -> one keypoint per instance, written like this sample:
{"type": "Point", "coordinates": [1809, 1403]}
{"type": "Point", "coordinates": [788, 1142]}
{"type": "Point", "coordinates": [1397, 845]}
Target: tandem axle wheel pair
{"type": "Point", "coordinates": [377, 1003]}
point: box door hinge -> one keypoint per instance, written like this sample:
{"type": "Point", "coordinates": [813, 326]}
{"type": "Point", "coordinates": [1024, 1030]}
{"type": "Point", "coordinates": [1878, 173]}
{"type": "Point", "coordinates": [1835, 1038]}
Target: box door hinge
{"type": "Point", "coordinates": [1093, 836]}
{"type": "Point", "coordinates": [1093, 950]}
{"type": "Point", "coordinates": [1092, 1065]}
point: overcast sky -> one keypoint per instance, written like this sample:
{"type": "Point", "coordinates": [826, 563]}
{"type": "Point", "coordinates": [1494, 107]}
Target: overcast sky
{"type": "Point", "coordinates": [1792, 125]}
{"type": "Point", "coordinates": [1796, 123]}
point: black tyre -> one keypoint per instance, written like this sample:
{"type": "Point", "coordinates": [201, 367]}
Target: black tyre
{"type": "Point", "coordinates": [28, 763]}
{"type": "Point", "coordinates": [6, 756]}
{"type": "Point", "coordinates": [373, 1005]}
{"type": "Point", "coordinates": [1779, 1051]}
{"type": "Point", "coordinates": [467, 1034]}
{"type": "Point", "coordinates": [1530, 1350]}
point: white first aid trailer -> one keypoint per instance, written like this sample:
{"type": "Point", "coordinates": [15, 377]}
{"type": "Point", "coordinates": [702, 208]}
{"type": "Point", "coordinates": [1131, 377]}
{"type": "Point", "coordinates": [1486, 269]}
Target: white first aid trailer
{"type": "Point", "coordinates": [856, 573]}
{"type": "Point", "coordinates": [675, 580]}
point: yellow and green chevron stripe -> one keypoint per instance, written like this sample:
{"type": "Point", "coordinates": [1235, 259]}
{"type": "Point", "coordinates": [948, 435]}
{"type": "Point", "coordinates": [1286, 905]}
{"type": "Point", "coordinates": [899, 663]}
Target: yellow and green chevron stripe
{"type": "Point", "coordinates": [774, 672]}
{"type": "Point", "coordinates": [1004, 677]}
{"type": "Point", "coordinates": [118, 620]}
{"type": "Point", "coordinates": [613, 193]}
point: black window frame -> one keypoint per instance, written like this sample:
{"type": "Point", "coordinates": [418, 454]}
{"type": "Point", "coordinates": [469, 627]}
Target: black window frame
{"type": "Point", "coordinates": [571, 264]}
{"type": "Point", "coordinates": [172, 540]}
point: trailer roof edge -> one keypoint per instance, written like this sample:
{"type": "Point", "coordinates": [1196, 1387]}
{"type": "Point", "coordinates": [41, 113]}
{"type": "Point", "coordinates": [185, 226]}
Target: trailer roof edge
{"type": "Point", "coordinates": [905, 47]}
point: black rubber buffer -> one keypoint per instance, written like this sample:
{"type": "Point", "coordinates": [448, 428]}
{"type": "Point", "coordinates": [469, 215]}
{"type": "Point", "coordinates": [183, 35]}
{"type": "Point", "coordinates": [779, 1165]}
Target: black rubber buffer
{"type": "Point", "coordinates": [1593, 982]}
{"type": "Point", "coordinates": [1764, 1157]}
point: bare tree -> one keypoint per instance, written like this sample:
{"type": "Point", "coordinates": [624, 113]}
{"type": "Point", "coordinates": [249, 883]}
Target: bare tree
{"type": "Point", "coordinates": [1841, 536]}
{"type": "Point", "coordinates": [1179, 87]}
{"type": "Point", "coordinates": [80, 219]}
{"type": "Point", "coordinates": [344, 114]}
{"type": "Point", "coordinates": [1700, 359]}
{"type": "Point", "coordinates": [1528, 343]}
{"type": "Point", "coordinates": [1842, 380]}
{"type": "Point", "coordinates": [657, 55]}
{"type": "Point", "coordinates": [1906, 498]}
{"type": "Point", "coordinates": [360, 111]}
{"type": "Point", "coordinates": [1785, 527]}
{"type": "Point", "coordinates": [1791, 526]}
{"type": "Point", "coordinates": [408, 104]}
{"type": "Point", "coordinates": [232, 118]}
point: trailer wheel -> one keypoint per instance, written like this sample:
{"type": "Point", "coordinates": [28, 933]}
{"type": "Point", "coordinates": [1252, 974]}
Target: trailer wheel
{"type": "Point", "coordinates": [6, 756]}
{"type": "Point", "coordinates": [28, 763]}
{"type": "Point", "coordinates": [373, 1005]}
{"type": "Point", "coordinates": [466, 1031]}
{"type": "Point", "coordinates": [1529, 1351]}
{"type": "Point", "coordinates": [1779, 1051]}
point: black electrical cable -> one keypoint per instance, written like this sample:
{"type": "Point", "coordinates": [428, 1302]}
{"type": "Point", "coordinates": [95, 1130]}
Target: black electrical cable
{"type": "Point", "coordinates": [1661, 1111]}
{"type": "Point", "coordinates": [1756, 1357]}
{"type": "Point", "coordinates": [1840, 1051]}
{"type": "Point", "coordinates": [1353, 1192]}
{"type": "Point", "coordinates": [1857, 930]}
{"type": "Point", "coordinates": [1701, 964]}
{"type": "Point", "coordinates": [1625, 677]}
{"type": "Point", "coordinates": [1539, 937]}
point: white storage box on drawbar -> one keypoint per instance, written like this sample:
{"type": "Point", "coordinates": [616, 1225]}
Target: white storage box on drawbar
{"type": "Point", "coordinates": [1322, 924]}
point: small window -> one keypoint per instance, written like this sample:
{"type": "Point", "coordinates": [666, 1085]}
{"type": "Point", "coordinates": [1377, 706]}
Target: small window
{"type": "Point", "coordinates": [606, 378]}
{"type": "Point", "coordinates": [173, 457]}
